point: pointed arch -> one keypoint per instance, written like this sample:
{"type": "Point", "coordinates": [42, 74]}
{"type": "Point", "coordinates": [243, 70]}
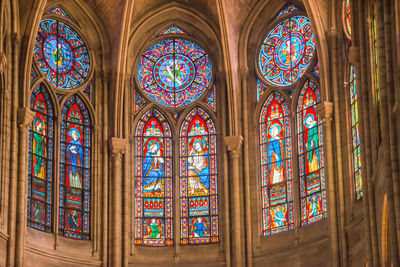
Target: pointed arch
{"type": "Point", "coordinates": [311, 155]}
{"type": "Point", "coordinates": [276, 166]}
{"type": "Point", "coordinates": [75, 170]}
{"type": "Point", "coordinates": [41, 161]}
{"type": "Point", "coordinates": [198, 179]}
{"type": "Point", "coordinates": [153, 176]}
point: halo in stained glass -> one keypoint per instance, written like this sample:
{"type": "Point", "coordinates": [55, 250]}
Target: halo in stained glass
{"type": "Point", "coordinates": [174, 72]}
{"type": "Point", "coordinates": [61, 54]}
{"type": "Point", "coordinates": [287, 51]}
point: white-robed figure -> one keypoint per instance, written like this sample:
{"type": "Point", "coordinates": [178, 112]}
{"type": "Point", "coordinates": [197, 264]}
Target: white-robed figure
{"type": "Point", "coordinates": [153, 168]}
{"type": "Point", "coordinates": [198, 172]}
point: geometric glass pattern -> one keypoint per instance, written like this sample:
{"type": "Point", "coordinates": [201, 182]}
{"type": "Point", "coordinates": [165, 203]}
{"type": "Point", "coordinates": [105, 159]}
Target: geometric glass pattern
{"type": "Point", "coordinates": [355, 133]}
{"type": "Point", "coordinates": [173, 30]}
{"type": "Point", "coordinates": [311, 155]}
{"type": "Point", "coordinates": [174, 72]}
{"type": "Point", "coordinates": [41, 161]}
{"type": "Point", "coordinates": [175, 116]}
{"type": "Point", "coordinates": [33, 74]}
{"type": "Point", "coordinates": [261, 89]}
{"type": "Point", "coordinates": [276, 166]}
{"type": "Point", "coordinates": [59, 11]}
{"type": "Point", "coordinates": [75, 184]}
{"type": "Point", "coordinates": [61, 54]}
{"type": "Point", "coordinates": [139, 102]}
{"type": "Point", "coordinates": [153, 178]}
{"type": "Point", "coordinates": [287, 9]}
{"type": "Point", "coordinates": [287, 51]}
{"type": "Point", "coordinates": [88, 91]}
{"type": "Point", "coordinates": [198, 179]}
{"type": "Point", "coordinates": [316, 69]}
{"type": "Point", "coordinates": [347, 16]}
{"type": "Point", "coordinates": [211, 101]}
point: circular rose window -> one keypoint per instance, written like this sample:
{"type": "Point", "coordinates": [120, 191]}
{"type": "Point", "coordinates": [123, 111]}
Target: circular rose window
{"type": "Point", "coordinates": [287, 51]}
{"type": "Point", "coordinates": [61, 54]}
{"type": "Point", "coordinates": [174, 72]}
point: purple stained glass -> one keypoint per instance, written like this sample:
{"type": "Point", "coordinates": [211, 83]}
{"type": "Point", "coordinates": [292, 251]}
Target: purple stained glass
{"type": "Point", "coordinates": [287, 51]}
{"type": "Point", "coordinates": [75, 169]}
{"type": "Point", "coordinates": [198, 179]}
{"type": "Point", "coordinates": [40, 161]}
{"type": "Point", "coordinates": [61, 54]}
{"type": "Point", "coordinates": [174, 72]}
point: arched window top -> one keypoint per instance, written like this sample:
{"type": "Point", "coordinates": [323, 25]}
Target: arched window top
{"type": "Point", "coordinates": [59, 11]}
{"type": "Point", "coordinates": [347, 17]}
{"type": "Point", "coordinates": [40, 100]}
{"type": "Point", "coordinates": [174, 72]}
{"type": "Point", "coordinates": [75, 111]}
{"type": "Point", "coordinates": [309, 96]}
{"type": "Point", "coordinates": [61, 54]}
{"type": "Point", "coordinates": [287, 51]}
{"type": "Point", "coordinates": [274, 108]}
{"type": "Point", "coordinates": [198, 115]}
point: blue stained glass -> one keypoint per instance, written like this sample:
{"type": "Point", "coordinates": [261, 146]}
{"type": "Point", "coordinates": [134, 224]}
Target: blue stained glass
{"type": "Point", "coordinates": [287, 51]}
{"type": "Point", "coordinates": [261, 89]}
{"type": "Point", "coordinates": [174, 72]}
{"type": "Point", "coordinates": [173, 30]}
{"type": "Point", "coordinates": [211, 100]}
{"type": "Point", "coordinates": [61, 54]}
{"type": "Point", "coordinates": [33, 74]}
{"type": "Point", "coordinates": [139, 102]}
{"type": "Point", "coordinates": [289, 8]}
{"type": "Point", "coordinates": [59, 11]}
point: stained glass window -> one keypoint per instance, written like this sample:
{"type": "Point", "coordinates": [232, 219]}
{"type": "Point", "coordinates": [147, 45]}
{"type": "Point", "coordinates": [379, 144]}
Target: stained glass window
{"type": "Point", "coordinates": [61, 54]}
{"type": "Point", "coordinates": [59, 11]}
{"type": "Point", "coordinates": [289, 8]}
{"type": "Point", "coordinates": [198, 179]}
{"type": "Point", "coordinates": [347, 17]}
{"type": "Point", "coordinates": [154, 185]}
{"type": "Point", "coordinates": [287, 51]}
{"type": "Point", "coordinates": [375, 69]}
{"type": "Point", "coordinates": [276, 166]}
{"type": "Point", "coordinates": [139, 102]}
{"type": "Point", "coordinates": [261, 89]}
{"type": "Point", "coordinates": [212, 100]}
{"type": "Point", "coordinates": [355, 133]}
{"type": "Point", "coordinates": [174, 72]}
{"type": "Point", "coordinates": [173, 30]}
{"type": "Point", "coordinates": [311, 155]}
{"type": "Point", "coordinates": [33, 74]}
{"type": "Point", "coordinates": [75, 184]}
{"type": "Point", "coordinates": [88, 91]}
{"type": "Point", "coordinates": [41, 161]}
{"type": "Point", "coordinates": [316, 69]}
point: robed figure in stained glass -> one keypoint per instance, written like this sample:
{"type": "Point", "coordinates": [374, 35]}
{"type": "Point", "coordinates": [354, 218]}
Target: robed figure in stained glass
{"type": "Point", "coordinates": [279, 216]}
{"type": "Point", "coordinates": [275, 153]}
{"type": "Point", "coordinates": [74, 157]}
{"type": "Point", "coordinates": [153, 168]}
{"type": "Point", "coordinates": [199, 228]}
{"type": "Point", "coordinates": [38, 147]}
{"type": "Point", "coordinates": [154, 229]}
{"type": "Point", "coordinates": [311, 141]}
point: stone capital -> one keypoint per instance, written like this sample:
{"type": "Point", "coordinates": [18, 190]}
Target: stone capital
{"type": "Point", "coordinates": [118, 145]}
{"type": "Point", "coordinates": [25, 117]}
{"type": "Point", "coordinates": [325, 111]}
{"type": "Point", "coordinates": [233, 144]}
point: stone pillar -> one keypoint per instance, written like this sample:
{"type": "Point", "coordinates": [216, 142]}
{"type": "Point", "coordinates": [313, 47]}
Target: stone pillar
{"type": "Point", "coordinates": [234, 145]}
{"type": "Point", "coordinates": [25, 117]}
{"type": "Point", "coordinates": [325, 112]}
{"type": "Point", "coordinates": [117, 148]}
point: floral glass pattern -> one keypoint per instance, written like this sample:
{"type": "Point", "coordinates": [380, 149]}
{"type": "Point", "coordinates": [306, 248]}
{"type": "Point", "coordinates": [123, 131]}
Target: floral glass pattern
{"type": "Point", "coordinates": [174, 72]}
{"type": "Point", "coordinates": [61, 54]}
{"type": "Point", "coordinates": [153, 175]}
{"type": "Point", "coordinates": [41, 161]}
{"type": "Point", "coordinates": [287, 51]}
{"type": "Point", "coordinates": [198, 179]}
{"type": "Point", "coordinates": [311, 155]}
{"type": "Point", "coordinates": [276, 166]}
{"type": "Point", "coordinates": [75, 165]}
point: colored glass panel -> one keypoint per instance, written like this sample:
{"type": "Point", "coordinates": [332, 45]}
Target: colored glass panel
{"type": "Point", "coordinates": [198, 179]}
{"type": "Point", "coordinates": [75, 170]}
{"type": "Point", "coordinates": [355, 133]}
{"type": "Point", "coordinates": [59, 11]}
{"type": "Point", "coordinates": [211, 100]}
{"type": "Point", "coordinates": [375, 69]}
{"type": "Point", "coordinates": [316, 69]}
{"type": "Point", "coordinates": [33, 74]}
{"type": "Point", "coordinates": [88, 91]}
{"type": "Point", "coordinates": [153, 175]}
{"type": "Point", "coordinates": [276, 166]}
{"type": "Point", "coordinates": [139, 102]}
{"type": "Point", "coordinates": [287, 51]}
{"type": "Point", "coordinates": [174, 72]}
{"type": "Point", "coordinates": [261, 89]}
{"type": "Point", "coordinates": [175, 116]}
{"type": "Point", "coordinates": [287, 9]}
{"type": "Point", "coordinates": [347, 17]}
{"type": "Point", "coordinates": [311, 155]}
{"type": "Point", "coordinates": [40, 161]}
{"type": "Point", "coordinates": [173, 30]}
{"type": "Point", "coordinates": [61, 54]}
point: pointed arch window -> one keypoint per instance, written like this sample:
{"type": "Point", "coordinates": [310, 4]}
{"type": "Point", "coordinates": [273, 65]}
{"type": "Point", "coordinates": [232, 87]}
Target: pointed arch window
{"type": "Point", "coordinates": [41, 161]}
{"type": "Point", "coordinates": [61, 63]}
{"type": "Point", "coordinates": [287, 91]}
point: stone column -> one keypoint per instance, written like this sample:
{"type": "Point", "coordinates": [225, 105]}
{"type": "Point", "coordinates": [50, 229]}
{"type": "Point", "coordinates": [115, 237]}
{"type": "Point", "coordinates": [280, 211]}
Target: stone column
{"type": "Point", "coordinates": [234, 145]}
{"type": "Point", "coordinates": [325, 112]}
{"type": "Point", "coordinates": [117, 148]}
{"type": "Point", "coordinates": [25, 117]}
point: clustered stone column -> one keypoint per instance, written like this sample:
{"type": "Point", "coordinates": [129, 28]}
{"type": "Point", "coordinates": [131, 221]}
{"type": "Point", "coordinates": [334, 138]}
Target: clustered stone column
{"type": "Point", "coordinates": [234, 145]}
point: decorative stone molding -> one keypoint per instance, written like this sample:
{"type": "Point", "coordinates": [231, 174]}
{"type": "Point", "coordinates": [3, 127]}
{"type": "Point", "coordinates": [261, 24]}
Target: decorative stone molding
{"type": "Point", "coordinates": [118, 145]}
{"type": "Point", "coordinates": [354, 55]}
{"type": "Point", "coordinates": [325, 111]}
{"type": "Point", "coordinates": [25, 117]}
{"type": "Point", "coordinates": [234, 144]}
